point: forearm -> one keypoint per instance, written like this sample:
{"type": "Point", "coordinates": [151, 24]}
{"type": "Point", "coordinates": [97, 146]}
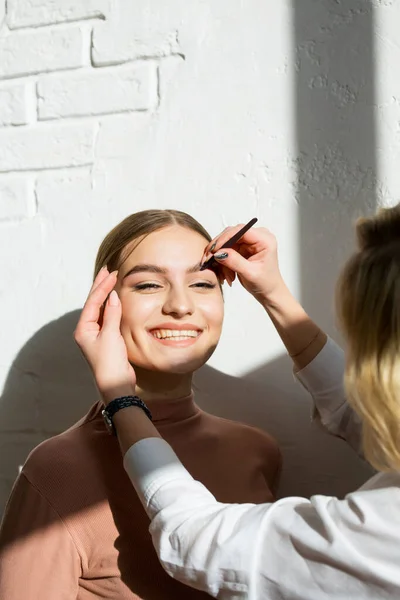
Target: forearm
{"type": "Point", "coordinates": [302, 337]}
{"type": "Point", "coordinates": [132, 425]}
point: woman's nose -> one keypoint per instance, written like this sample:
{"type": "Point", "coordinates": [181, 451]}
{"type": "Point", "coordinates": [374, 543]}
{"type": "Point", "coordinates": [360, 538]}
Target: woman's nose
{"type": "Point", "coordinates": [178, 302]}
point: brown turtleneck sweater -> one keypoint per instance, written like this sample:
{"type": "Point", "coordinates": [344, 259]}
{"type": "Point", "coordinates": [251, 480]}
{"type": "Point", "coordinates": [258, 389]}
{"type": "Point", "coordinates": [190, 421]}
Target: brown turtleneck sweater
{"type": "Point", "coordinates": [74, 528]}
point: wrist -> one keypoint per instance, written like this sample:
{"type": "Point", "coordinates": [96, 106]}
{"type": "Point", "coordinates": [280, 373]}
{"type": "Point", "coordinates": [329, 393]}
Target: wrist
{"type": "Point", "coordinates": [117, 392]}
{"type": "Point", "coordinates": [278, 298]}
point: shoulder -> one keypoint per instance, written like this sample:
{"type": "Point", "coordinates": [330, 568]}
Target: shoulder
{"type": "Point", "coordinates": [246, 436]}
{"type": "Point", "coordinates": [69, 456]}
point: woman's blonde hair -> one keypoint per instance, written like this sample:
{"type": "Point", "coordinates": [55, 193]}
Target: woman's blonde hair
{"type": "Point", "coordinates": [111, 251]}
{"type": "Point", "coordinates": [368, 306]}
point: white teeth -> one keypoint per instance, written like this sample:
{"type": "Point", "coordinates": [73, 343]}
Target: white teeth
{"type": "Point", "coordinates": [175, 333]}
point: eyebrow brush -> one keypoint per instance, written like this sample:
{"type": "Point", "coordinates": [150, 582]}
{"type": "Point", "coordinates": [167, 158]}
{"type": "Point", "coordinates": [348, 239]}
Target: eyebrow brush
{"type": "Point", "coordinates": [211, 262]}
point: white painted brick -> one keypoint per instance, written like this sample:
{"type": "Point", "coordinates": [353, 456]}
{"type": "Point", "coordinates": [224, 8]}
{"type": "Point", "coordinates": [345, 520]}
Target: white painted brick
{"type": "Point", "coordinates": [45, 147]}
{"type": "Point", "coordinates": [25, 13]}
{"type": "Point", "coordinates": [40, 51]}
{"type": "Point", "coordinates": [14, 104]}
{"type": "Point", "coordinates": [115, 45]}
{"type": "Point", "coordinates": [94, 93]}
{"type": "Point", "coordinates": [17, 200]}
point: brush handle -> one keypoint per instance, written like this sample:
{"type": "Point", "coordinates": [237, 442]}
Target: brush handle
{"type": "Point", "coordinates": [211, 262]}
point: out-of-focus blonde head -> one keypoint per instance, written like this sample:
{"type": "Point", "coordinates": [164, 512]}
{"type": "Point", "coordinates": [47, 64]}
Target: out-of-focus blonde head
{"type": "Point", "coordinates": [368, 307]}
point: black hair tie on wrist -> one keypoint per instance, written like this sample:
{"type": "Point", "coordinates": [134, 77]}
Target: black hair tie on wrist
{"type": "Point", "coordinates": [123, 402]}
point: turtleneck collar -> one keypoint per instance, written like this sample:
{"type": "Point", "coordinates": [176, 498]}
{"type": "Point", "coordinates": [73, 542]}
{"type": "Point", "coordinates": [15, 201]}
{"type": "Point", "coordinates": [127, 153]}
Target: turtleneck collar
{"type": "Point", "coordinates": [168, 412]}
{"type": "Point", "coordinates": [164, 412]}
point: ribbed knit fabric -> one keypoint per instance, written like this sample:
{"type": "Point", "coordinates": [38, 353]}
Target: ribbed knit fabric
{"type": "Point", "coordinates": [74, 528]}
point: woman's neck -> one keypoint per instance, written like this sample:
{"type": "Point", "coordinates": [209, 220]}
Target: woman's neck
{"type": "Point", "coordinates": [152, 386]}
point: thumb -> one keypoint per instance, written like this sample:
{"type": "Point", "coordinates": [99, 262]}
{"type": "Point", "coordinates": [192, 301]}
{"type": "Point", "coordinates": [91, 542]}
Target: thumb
{"type": "Point", "coordinates": [232, 260]}
{"type": "Point", "coordinates": [112, 313]}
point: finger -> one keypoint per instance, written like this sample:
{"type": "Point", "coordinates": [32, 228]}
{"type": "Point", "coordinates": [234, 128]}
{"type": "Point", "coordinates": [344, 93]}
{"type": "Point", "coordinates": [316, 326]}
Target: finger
{"type": "Point", "coordinates": [251, 242]}
{"type": "Point", "coordinates": [223, 238]}
{"type": "Point", "coordinates": [112, 314]}
{"type": "Point", "coordinates": [234, 261]}
{"type": "Point", "coordinates": [211, 246]}
{"type": "Point", "coordinates": [101, 275]}
{"type": "Point", "coordinates": [91, 311]}
{"type": "Point", "coordinates": [228, 275]}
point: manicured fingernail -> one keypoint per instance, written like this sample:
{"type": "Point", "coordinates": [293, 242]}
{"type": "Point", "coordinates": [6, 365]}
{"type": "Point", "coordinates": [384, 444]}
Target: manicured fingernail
{"type": "Point", "coordinates": [213, 247]}
{"type": "Point", "coordinates": [114, 300]}
{"type": "Point", "coordinates": [221, 256]}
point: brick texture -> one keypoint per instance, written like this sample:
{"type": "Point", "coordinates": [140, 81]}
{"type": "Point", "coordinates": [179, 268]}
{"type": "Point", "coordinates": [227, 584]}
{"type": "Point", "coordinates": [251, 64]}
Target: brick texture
{"type": "Point", "coordinates": [30, 52]}
{"type": "Point", "coordinates": [44, 147]}
{"type": "Point", "coordinates": [98, 92]}
{"type": "Point", "coordinates": [14, 103]}
{"type": "Point", "coordinates": [25, 13]}
{"type": "Point", "coordinates": [16, 198]}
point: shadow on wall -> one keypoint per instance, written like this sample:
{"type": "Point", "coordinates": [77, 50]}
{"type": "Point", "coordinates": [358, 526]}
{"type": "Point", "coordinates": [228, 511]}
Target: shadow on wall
{"type": "Point", "coordinates": [50, 373]}
{"type": "Point", "coordinates": [336, 138]}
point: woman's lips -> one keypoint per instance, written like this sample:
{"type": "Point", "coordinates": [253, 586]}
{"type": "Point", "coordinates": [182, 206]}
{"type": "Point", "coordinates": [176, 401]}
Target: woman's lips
{"type": "Point", "coordinates": [178, 343]}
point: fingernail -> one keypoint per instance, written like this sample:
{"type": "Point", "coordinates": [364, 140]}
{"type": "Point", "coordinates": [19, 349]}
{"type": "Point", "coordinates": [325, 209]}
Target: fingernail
{"type": "Point", "coordinates": [113, 298]}
{"type": "Point", "coordinates": [221, 256]}
{"type": "Point", "coordinates": [114, 273]}
{"type": "Point", "coordinates": [213, 247]}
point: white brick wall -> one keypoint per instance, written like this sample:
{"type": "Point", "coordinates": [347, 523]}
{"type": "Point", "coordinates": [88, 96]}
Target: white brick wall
{"type": "Point", "coordinates": [41, 147]}
{"type": "Point", "coordinates": [17, 198]}
{"type": "Point", "coordinates": [30, 52]}
{"type": "Point", "coordinates": [37, 13]}
{"type": "Point", "coordinates": [15, 103]}
{"type": "Point", "coordinates": [103, 92]}
{"type": "Point", "coordinates": [112, 106]}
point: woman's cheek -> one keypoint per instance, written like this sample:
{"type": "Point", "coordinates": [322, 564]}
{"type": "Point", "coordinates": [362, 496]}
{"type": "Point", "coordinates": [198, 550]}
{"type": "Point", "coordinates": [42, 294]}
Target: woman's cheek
{"type": "Point", "coordinates": [214, 316]}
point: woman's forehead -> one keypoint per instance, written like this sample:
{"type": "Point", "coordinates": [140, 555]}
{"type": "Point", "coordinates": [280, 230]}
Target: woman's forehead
{"type": "Point", "coordinates": [161, 246]}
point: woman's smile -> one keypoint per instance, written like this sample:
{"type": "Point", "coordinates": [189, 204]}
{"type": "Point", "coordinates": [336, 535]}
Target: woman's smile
{"type": "Point", "coordinates": [176, 335]}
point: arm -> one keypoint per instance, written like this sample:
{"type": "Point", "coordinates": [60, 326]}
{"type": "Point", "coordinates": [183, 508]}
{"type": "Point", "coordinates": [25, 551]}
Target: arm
{"type": "Point", "coordinates": [319, 366]}
{"type": "Point", "coordinates": [294, 548]}
{"type": "Point", "coordinates": [323, 379]}
{"type": "Point", "coordinates": [38, 559]}
{"type": "Point", "coordinates": [302, 337]}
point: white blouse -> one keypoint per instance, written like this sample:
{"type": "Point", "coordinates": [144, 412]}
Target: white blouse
{"type": "Point", "coordinates": [297, 549]}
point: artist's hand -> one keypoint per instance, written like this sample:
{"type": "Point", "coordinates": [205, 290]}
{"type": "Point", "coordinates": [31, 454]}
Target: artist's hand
{"type": "Point", "coordinates": [98, 336]}
{"type": "Point", "coordinates": [254, 258]}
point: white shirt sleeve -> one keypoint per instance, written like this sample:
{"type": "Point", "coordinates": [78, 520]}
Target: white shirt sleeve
{"type": "Point", "coordinates": [323, 379]}
{"type": "Point", "coordinates": [295, 549]}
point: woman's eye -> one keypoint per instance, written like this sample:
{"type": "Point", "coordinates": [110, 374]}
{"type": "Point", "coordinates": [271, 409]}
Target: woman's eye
{"type": "Point", "coordinates": [210, 286]}
{"type": "Point", "coordinates": [145, 286]}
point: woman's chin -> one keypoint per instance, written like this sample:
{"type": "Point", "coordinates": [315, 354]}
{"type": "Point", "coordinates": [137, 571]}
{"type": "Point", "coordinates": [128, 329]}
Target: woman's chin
{"type": "Point", "coordinates": [180, 361]}
{"type": "Point", "coordinates": [177, 366]}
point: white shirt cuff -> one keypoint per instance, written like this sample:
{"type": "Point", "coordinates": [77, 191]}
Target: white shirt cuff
{"type": "Point", "coordinates": [150, 463]}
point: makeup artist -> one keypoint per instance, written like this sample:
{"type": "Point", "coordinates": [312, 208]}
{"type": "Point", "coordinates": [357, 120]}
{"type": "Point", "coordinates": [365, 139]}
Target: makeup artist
{"type": "Point", "coordinates": [296, 548]}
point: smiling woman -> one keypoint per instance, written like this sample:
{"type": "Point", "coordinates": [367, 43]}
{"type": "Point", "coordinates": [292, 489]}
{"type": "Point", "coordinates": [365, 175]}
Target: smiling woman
{"type": "Point", "coordinates": [73, 499]}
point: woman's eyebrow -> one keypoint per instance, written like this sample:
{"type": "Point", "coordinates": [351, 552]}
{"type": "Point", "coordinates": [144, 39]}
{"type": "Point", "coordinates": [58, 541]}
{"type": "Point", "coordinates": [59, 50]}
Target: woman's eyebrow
{"type": "Point", "coordinates": [145, 268]}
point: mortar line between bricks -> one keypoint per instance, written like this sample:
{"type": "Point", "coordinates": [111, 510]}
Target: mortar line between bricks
{"type": "Point", "coordinates": [36, 73]}
{"type": "Point", "coordinates": [24, 28]}
{"type": "Point", "coordinates": [13, 172]}
{"type": "Point", "coordinates": [72, 118]}
{"type": "Point", "coordinates": [144, 57]}
{"type": "Point", "coordinates": [158, 85]}
{"type": "Point", "coordinates": [87, 68]}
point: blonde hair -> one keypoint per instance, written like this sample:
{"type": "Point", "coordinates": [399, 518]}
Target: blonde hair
{"type": "Point", "coordinates": [368, 306]}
